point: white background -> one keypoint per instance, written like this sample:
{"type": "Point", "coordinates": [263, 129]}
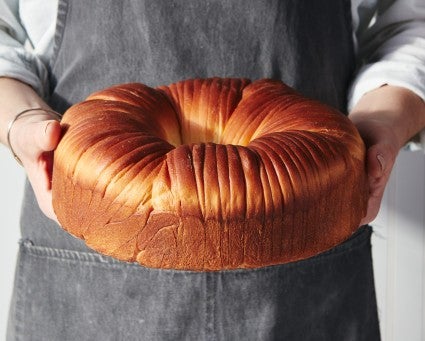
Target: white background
{"type": "Point", "coordinates": [11, 189]}
{"type": "Point", "coordinates": [399, 251]}
{"type": "Point", "coordinates": [399, 245]}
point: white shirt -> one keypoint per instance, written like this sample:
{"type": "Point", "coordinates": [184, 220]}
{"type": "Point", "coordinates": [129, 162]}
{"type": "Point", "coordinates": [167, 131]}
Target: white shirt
{"type": "Point", "coordinates": [389, 37]}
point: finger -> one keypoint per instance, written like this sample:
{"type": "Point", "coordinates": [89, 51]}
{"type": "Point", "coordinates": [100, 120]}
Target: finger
{"type": "Point", "coordinates": [373, 205]}
{"type": "Point", "coordinates": [48, 135]}
{"type": "Point", "coordinates": [39, 161]}
{"type": "Point", "coordinates": [35, 138]}
{"type": "Point", "coordinates": [379, 164]}
{"type": "Point", "coordinates": [39, 175]}
{"type": "Point", "coordinates": [376, 163]}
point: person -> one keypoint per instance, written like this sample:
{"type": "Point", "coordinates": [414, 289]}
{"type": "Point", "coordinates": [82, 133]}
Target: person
{"type": "Point", "coordinates": [53, 54]}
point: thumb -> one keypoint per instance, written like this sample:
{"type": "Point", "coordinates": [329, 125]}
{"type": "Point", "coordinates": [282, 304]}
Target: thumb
{"type": "Point", "coordinates": [376, 163]}
{"type": "Point", "coordinates": [379, 165]}
{"type": "Point", "coordinates": [48, 135]}
{"type": "Point", "coordinates": [33, 139]}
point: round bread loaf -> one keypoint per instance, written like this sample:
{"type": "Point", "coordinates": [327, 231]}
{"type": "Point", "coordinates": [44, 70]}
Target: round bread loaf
{"type": "Point", "coordinates": [208, 174]}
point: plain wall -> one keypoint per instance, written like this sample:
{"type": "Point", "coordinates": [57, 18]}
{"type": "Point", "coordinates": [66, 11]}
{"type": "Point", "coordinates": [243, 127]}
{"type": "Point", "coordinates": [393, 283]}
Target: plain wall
{"type": "Point", "coordinates": [11, 190]}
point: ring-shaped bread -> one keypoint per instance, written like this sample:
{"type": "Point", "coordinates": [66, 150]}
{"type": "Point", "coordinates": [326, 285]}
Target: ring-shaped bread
{"type": "Point", "coordinates": [208, 174]}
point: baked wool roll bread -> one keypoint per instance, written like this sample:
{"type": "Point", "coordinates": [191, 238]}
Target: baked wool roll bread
{"type": "Point", "coordinates": [208, 174]}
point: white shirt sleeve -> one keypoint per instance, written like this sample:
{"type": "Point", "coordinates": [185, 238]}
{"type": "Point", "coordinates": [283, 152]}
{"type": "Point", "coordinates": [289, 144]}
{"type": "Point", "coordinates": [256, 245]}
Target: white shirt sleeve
{"type": "Point", "coordinates": [391, 46]}
{"type": "Point", "coordinates": [18, 57]}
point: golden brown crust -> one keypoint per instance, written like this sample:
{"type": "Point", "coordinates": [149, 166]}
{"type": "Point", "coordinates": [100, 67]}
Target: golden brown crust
{"type": "Point", "coordinates": [208, 174]}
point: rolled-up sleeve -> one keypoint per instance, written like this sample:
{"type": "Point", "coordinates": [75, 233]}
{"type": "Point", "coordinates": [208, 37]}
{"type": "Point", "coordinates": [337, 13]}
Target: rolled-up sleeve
{"type": "Point", "coordinates": [17, 57]}
{"type": "Point", "coordinates": [391, 50]}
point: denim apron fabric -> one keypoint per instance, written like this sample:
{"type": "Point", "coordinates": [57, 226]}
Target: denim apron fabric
{"type": "Point", "coordinates": [65, 291]}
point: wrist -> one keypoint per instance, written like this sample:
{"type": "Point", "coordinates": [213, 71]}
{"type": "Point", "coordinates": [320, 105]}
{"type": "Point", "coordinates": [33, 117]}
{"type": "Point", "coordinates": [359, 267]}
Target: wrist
{"type": "Point", "coordinates": [15, 96]}
{"type": "Point", "coordinates": [394, 113]}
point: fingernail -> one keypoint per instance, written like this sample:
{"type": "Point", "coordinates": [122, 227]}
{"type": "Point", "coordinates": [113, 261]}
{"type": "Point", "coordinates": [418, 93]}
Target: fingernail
{"type": "Point", "coordinates": [47, 127]}
{"type": "Point", "coordinates": [381, 161]}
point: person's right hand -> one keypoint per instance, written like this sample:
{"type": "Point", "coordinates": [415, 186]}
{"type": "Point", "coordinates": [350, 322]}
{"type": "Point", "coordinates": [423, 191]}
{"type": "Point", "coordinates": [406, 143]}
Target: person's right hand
{"type": "Point", "coordinates": [34, 138]}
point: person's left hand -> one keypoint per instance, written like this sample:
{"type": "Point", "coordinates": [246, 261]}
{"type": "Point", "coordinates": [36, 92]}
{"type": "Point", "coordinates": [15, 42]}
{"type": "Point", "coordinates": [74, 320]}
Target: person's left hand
{"type": "Point", "coordinates": [386, 119]}
{"type": "Point", "coordinates": [381, 153]}
{"type": "Point", "coordinates": [34, 139]}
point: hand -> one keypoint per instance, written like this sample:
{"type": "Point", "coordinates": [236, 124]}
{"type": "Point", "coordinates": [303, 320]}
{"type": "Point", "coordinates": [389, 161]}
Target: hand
{"type": "Point", "coordinates": [381, 153]}
{"type": "Point", "coordinates": [386, 118]}
{"type": "Point", "coordinates": [34, 137]}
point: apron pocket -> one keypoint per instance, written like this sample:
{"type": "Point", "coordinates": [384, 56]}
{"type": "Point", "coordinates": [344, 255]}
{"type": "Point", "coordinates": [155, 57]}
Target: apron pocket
{"type": "Point", "coordinates": [72, 295]}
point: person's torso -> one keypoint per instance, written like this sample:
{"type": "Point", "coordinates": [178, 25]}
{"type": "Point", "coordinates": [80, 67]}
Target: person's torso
{"type": "Point", "coordinates": [305, 43]}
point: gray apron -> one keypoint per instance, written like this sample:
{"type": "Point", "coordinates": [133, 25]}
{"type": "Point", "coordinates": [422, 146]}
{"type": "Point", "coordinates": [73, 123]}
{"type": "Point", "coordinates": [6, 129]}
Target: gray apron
{"type": "Point", "coordinates": [65, 291]}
